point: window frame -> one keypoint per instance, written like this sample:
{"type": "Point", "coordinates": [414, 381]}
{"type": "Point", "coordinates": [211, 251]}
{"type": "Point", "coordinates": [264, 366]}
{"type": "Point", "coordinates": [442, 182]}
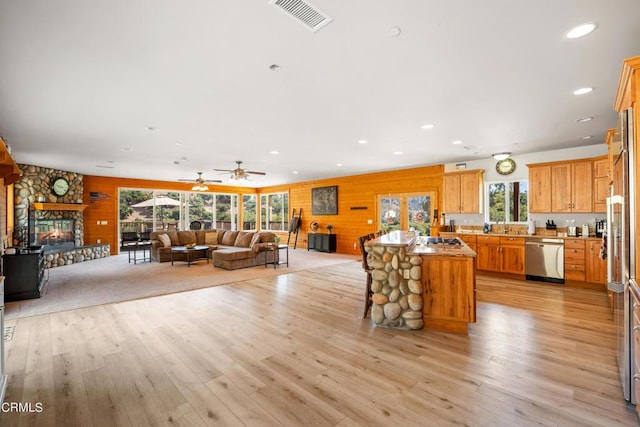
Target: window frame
{"type": "Point", "coordinates": [264, 218]}
{"type": "Point", "coordinates": [508, 198]}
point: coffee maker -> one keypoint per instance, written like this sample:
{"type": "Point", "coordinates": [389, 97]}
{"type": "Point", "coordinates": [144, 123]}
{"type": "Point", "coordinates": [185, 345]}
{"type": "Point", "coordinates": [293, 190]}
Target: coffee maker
{"type": "Point", "coordinates": [601, 227]}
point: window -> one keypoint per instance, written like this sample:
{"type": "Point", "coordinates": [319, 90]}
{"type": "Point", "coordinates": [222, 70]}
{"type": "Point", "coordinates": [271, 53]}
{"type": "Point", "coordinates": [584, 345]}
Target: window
{"type": "Point", "coordinates": [274, 211]}
{"type": "Point", "coordinates": [403, 211]}
{"type": "Point", "coordinates": [249, 212]}
{"type": "Point", "coordinates": [507, 200]}
{"type": "Point", "coordinates": [146, 210]}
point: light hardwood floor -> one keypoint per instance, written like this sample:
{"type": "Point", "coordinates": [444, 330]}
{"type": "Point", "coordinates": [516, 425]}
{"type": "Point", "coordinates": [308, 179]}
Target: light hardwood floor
{"type": "Point", "coordinates": [292, 350]}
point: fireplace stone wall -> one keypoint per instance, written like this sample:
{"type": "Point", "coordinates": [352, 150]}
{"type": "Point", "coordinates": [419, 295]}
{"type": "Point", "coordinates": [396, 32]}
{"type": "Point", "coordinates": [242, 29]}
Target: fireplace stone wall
{"type": "Point", "coordinates": [35, 185]}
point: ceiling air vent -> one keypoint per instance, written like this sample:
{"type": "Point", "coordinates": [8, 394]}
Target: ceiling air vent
{"type": "Point", "coordinates": [303, 12]}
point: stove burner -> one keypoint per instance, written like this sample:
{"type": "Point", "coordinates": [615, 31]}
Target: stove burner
{"type": "Point", "coordinates": [443, 241]}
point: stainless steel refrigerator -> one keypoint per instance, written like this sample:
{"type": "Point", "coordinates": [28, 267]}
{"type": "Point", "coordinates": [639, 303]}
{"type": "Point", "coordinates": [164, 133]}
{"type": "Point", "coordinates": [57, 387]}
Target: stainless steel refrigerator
{"type": "Point", "coordinates": [620, 252]}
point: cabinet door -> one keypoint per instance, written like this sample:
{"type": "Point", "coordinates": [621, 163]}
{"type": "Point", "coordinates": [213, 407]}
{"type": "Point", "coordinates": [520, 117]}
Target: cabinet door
{"type": "Point", "coordinates": [596, 268]}
{"type": "Point", "coordinates": [512, 259]}
{"type": "Point", "coordinates": [488, 257]}
{"type": "Point", "coordinates": [581, 187]}
{"type": "Point", "coordinates": [600, 194]}
{"type": "Point", "coordinates": [449, 288]}
{"type": "Point", "coordinates": [601, 168]}
{"type": "Point", "coordinates": [540, 189]}
{"type": "Point", "coordinates": [311, 238]}
{"type": "Point", "coordinates": [469, 193]}
{"type": "Point", "coordinates": [561, 188]}
{"type": "Point", "coordinates": [324, 243]}
{"type": "Point", "coordinates": [451, 196]}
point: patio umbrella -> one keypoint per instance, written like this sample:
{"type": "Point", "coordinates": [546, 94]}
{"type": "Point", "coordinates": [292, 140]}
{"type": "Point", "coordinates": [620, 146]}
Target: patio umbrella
{"type": "Point", "coordinates": [159, 201]}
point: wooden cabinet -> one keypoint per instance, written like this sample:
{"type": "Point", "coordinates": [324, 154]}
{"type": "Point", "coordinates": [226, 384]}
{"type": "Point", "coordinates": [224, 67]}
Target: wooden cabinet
{"type": "Point", "coordinates": [601, 183]}
{"type": "Point", "coordinates": [539, 188]}
{"type": "Point", "coordinates": [488, 250]}
{"type": "Point", "coordinates": [469, 239]}
{"type": "Point", "coordinates": [503, 254]}
{"type": "Point", "coordinates": [562, 187]}
{"type": "Point", "coordinates": [512, 254]}
{"type": "Point", "coordinates": [574, 264]}
{"type": "Point", "coordinates": [595, 268]}
{"type": "Point", "coordinates": [463, 192]}
{"type": "Point", "coordinates": [449, 285]}
{"type": "Point", "coordinates": [321, 242]}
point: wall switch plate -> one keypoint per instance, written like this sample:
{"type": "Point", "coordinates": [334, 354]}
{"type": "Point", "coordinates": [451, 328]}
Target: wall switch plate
{"type": "Point", "coordinates": [98, 241]}
{"type": "Point", "coordinates": [369, 221]}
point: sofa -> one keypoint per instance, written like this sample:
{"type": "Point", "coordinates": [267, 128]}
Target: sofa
{"type": "Point", "coordinates": [228, 249]}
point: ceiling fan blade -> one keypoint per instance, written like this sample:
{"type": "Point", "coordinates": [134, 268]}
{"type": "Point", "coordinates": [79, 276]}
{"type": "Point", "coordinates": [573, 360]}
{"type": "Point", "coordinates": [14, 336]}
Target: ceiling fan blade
{"type": "Point", "coordinates": [211, 181]}
{"type": "Point", "coordinates": [187, 180]}
{"type": "Point", "coordinates": [224, 170]}
{"type": "Point", "coordinates": [256, 173]}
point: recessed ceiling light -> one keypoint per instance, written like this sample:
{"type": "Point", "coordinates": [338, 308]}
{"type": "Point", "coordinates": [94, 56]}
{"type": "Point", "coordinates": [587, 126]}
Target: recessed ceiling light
{"type": "Point", "coordinates": [584, 119]}
{"type": "Point", "coordinates": [295, 172]}
{"type": "Point", "coordinates": [362, 141]}
{"type": "Point", "coordinates": [394, 31]}
{"type": "Point", "coordinates": [583, 90]}
{"type": "Point", "coordinates": [585, 137]}
{"type": "Point", "coordinates": [127, 149]}
{"type": "Point", "coordinates": [458, 142]}
{"type": "Point", "coordinates": [339, 164]}
{"type": "Point", "coordinates": [428, 126]}
{"type": "Point", "coordinates": [178, 144]}
{"type": "Point", "coordinates": [580, 30]}
{"type": "Point", "coordinates": [274, 67]}
{"type": "Point", "coordinates": [152, 128]}
{"type": "Point", "coordinates": [274, 152]}
{"type": "Point", "coordinates": [397, 153]}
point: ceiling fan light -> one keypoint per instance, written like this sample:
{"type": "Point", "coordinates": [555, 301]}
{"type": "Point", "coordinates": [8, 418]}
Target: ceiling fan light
{"type": "Point", "coordinates": [501, 156]}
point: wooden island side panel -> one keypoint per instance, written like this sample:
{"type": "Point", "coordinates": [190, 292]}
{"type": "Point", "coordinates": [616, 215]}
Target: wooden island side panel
{"type": "Point", "coordinates": [449, 285]}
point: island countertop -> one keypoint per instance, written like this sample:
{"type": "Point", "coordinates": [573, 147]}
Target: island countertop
{"type": "Point", "coordinates": [415, 245]}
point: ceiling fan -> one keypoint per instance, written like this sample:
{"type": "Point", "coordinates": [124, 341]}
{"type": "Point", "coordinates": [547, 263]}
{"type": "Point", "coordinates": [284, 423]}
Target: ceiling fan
{"type": "Point", "coordinates": [200, 184]}
{"type": "Point", "coordinates": [240, 173]}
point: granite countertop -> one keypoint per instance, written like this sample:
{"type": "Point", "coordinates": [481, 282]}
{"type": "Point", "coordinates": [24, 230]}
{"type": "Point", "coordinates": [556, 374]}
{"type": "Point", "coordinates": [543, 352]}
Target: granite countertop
{"type": "Point", "coordinates": [480, 233]}
{"type": "Point", "coordinates": [442, 250]}
{"type": "Point", "coordinates": [395, 238]}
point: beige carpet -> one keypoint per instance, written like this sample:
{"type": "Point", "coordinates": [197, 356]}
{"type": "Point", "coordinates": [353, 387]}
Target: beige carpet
{"type": "Point", "coordinates": [114, 279]}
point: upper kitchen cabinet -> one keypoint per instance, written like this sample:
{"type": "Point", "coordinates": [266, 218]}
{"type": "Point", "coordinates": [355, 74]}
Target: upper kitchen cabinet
{"type": "Point", "coordinates": [463, 192]}
{"type": "Point", "coordinates": [561, 187]}
{"type": "Point", "coordinates": [601, 182]}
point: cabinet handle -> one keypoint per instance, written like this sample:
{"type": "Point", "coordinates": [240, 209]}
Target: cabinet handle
{"type": "Point", "coordinates": [636, 328]}
{"type": "Point", "coordinates": [635, 305]}
{"type": "Point", "coordinates": [636, 377]}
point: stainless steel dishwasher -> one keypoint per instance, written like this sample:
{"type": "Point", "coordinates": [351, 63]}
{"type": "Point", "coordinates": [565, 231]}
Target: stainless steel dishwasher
{"type": "Point", "coordinates": [544, 259]}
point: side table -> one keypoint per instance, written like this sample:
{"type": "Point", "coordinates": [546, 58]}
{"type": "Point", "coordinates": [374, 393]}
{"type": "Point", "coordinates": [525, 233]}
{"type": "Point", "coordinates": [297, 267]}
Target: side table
{"type": "Point", "coordinates": [275, 249]}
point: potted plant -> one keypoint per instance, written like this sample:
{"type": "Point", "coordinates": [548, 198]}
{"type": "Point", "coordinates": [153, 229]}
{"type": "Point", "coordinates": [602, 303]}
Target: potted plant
{"type": "Point", "coordinates": [329, 228]}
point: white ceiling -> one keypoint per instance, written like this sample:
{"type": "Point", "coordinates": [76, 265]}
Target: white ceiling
{"type": "Point", "coordinates": [82, 80]}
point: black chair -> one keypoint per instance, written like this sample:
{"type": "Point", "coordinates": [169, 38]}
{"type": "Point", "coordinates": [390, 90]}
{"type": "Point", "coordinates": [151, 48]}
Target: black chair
{"type": "Point", "coordinates": [129, 239]}
{"type": "Point", "coordinates": [365, 266]}
{"type": "Point", "coordinates": [195, 225]}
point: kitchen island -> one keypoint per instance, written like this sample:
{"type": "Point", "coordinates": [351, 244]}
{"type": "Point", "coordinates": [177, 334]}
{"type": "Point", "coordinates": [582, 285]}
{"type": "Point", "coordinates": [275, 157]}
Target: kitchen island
{"type": "Point", "coordinates": [422, 282]}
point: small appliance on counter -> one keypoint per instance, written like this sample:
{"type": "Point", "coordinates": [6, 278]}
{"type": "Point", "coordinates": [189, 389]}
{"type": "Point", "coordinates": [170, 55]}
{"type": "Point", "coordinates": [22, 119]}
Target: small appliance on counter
{"type": "Point", "coordinates": [531, 227]}
{"type": "Point", "coordinates": [585, 230]}
{"type": "Point", "coordinates": [601, 227]}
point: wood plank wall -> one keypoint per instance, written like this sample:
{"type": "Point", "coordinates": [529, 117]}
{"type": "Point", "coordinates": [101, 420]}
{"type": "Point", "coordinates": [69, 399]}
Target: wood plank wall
{"type": "Point", "coordinates": [357, 191]}
{"type": "Point", "coordinates": [353, 191]}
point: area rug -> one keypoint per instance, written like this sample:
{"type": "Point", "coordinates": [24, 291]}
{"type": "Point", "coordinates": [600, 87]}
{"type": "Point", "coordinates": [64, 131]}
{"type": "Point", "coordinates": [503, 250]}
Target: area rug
{"type": "Point", "coordinates": [114, 279]}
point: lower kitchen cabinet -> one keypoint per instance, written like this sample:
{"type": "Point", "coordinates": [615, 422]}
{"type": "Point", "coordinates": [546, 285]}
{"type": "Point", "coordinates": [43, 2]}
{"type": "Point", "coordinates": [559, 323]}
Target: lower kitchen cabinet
{"type": "Point", "coordinates": [596, 268]}
{"type": "Point", "coordinates": [503, 254]}
{"type": "Point", "coordinates": [512, 254]}
{"type": "Point", "coordinates": [582, 261]}
{"type": "Point", "coordinates": [574, 265]}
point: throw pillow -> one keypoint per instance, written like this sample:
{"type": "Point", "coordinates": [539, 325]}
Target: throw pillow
{"type": "Point", "coordinates": [211, 238]}
{"type": "Point", "coordinates": [229, 238]}
{"type": "Point", "coordinates": [255, 239]}
{"type": "Point", "coordinates": [166, 241]}
{"type": "Point", "coordinates": [244, 239]}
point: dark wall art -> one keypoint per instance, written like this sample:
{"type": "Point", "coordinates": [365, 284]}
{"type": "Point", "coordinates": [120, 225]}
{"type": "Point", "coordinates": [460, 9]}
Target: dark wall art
{"type": "Point", "coordinates": [324, 200]}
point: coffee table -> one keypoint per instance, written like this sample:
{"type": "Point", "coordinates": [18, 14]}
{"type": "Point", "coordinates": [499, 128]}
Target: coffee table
{"type": "Point", "coordinates": [193, 253]}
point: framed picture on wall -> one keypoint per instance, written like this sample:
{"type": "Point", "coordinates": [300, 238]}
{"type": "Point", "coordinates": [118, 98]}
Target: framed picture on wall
{"type": "Point", "coordinates": [324, 200]}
